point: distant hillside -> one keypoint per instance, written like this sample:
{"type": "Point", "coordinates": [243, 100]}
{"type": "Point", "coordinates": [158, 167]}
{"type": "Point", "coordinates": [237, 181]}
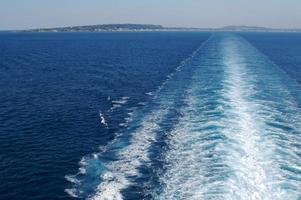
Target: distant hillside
{"type": "Point", "coordinates": [102, 27]}
{"type": "Point", "coordinates": [151, 27]}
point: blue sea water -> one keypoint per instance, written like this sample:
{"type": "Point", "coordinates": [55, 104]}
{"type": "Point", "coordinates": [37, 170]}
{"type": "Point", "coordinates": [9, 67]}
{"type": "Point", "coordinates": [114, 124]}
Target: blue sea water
{"type": "Point", "coordinates": [167, 115]}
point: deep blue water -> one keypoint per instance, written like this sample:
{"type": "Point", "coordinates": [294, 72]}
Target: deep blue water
{"type": "Point", "coordinates": [169, 115]}
{"type": "Point", "coordinates": [282, 49]}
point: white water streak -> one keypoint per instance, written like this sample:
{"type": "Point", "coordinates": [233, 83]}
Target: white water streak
{"type": "Point", "coordinates": [250, 159]}
{"type": "Point", "coordinates": [130, 159]}
{"type": "Point", "coordinates": [136, 154]}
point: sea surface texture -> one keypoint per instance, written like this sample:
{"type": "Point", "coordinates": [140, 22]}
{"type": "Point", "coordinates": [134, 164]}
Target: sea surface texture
{"type": "Point", "coordinates": [159, 116]}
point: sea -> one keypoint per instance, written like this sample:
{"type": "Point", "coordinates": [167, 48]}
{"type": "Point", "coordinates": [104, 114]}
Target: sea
{"type": "Point", "coordinates": [150, 115]}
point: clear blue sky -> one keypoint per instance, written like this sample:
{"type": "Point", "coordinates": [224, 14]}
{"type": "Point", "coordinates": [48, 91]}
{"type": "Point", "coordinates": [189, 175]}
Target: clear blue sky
{"type": "Point", "coordinates": [20, 14]}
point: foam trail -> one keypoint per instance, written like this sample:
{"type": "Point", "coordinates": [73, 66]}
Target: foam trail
{"type": "Point", "coordinates": [194, 140]}
{"type": "Point", "coordinates": [227, 145]}
{"type": "Point", "coordinates": [121, 173]}
{"type": "Point", "coordinates": [259, 164]}
{"type": "Point", "coordinates": [254, 173]}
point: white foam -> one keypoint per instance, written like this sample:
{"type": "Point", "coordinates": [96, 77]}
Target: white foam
{"type": "Point", "coordinates": [103, 120]}
{"type": "Point", "coordinates": [82, 170]}
{"type": "Point", "coordinates": [95, 156]}
{"type": "Point", "coordinates": [142, 103]}
{"type": "Point", "coordinates": [109, 189]}
{"type": "Point", "coordinates": [71, 192]}
{"type": "Point", "coordinates": [185, 170]}
{"type": "Point", "coordinates": [122, 101]}
{"type": "Point", "coordinates": [115, 106]}
{"type": "Point", "coordinates": [122, 124]}
{"type": "Point", "coordinates": [128, 119]}
{"type": "Point", "coordinates": [82, 163]}
{"type": "Point", "coordinates": [72, 179]}
{"type": "Point", "coordinates": [119, 103]}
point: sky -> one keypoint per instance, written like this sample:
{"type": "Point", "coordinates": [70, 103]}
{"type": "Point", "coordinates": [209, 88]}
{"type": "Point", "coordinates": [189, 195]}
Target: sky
{"type": "Point", "coordinates": [25, 14]}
